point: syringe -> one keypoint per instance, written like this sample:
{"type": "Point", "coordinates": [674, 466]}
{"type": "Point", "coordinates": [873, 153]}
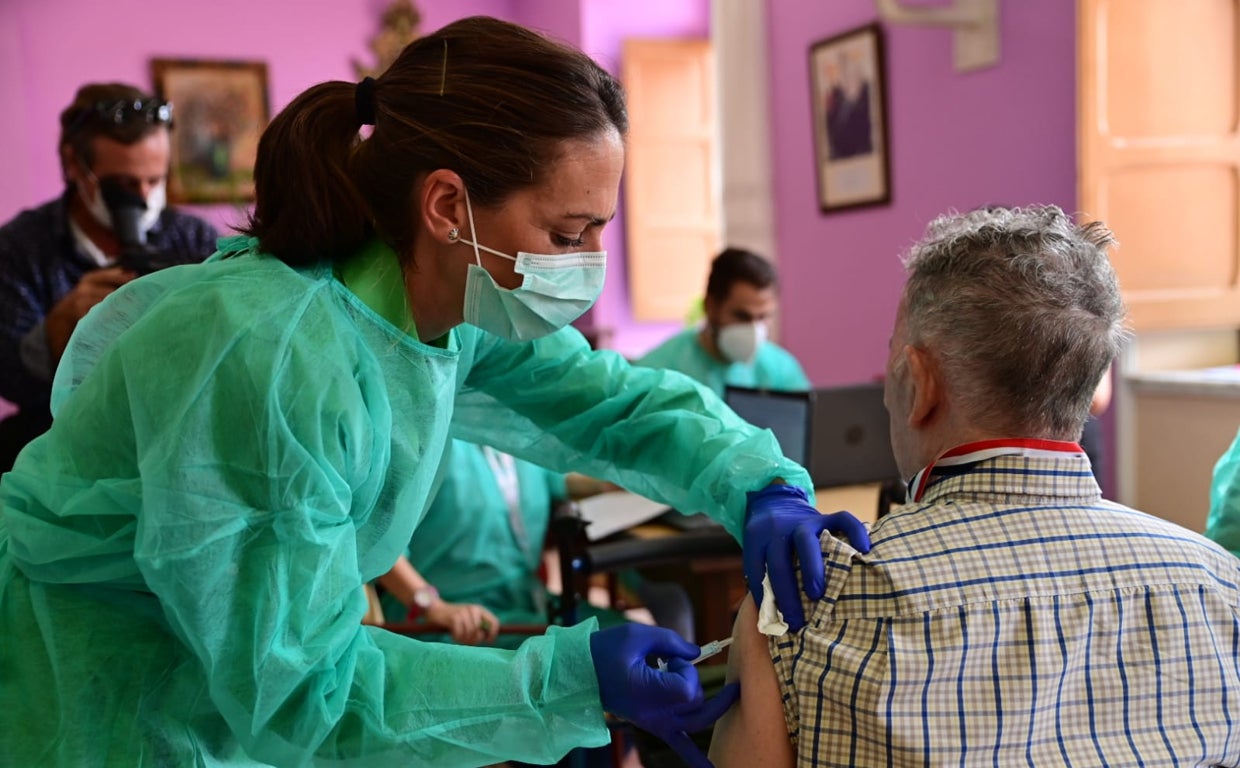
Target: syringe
{"type": "Point", "coordinates": [712, 648]}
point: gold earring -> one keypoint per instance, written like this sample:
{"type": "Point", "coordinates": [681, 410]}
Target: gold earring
{"type": "Point", "coordinates": [454, 234]}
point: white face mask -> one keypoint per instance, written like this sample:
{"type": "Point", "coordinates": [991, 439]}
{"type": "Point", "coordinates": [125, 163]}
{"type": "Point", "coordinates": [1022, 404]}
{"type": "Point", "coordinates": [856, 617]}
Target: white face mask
{"type": "Point", "coordinates": [155, 203]}
{"type": "Point", "coordinates": [556, 290]}
{"type": "Point", "coordinates": [739, 342]}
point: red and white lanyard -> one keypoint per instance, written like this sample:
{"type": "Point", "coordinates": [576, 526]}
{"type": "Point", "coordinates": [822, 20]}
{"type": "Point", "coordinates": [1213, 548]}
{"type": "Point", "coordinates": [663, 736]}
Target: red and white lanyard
{"type": "Point", "coordinates": [970, 453]}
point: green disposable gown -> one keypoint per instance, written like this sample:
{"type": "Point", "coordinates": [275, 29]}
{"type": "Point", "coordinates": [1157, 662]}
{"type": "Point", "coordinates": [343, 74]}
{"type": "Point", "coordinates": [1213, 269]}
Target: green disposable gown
{"type": "Point", "coordinates": [1223, 523]}
{"type": "Point", "coordinates": [238, 447]}
{"type": "Point", "coordinates": [773, 367]}
{"type": "Point", "coordinates": [468, 546]}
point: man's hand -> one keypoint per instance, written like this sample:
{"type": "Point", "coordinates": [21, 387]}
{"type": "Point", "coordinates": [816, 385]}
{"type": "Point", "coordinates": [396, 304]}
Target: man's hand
{"type": "Point", "coordinates": [93, 288]}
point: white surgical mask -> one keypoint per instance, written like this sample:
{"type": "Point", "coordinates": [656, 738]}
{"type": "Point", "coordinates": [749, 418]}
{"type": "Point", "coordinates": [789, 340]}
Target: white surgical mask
{"type": "Point", "coordinates": [155, 203]}
{"type": "Point", "coordinates": [556, 290]}
{"type": "Point", "coordinates": [739, 342]}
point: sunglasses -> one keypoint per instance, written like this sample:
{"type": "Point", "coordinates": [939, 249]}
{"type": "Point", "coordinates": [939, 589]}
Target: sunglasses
{"type": "Point", "coordinates": [126, 112]}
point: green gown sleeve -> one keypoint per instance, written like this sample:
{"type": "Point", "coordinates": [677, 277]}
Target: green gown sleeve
{"type": "Point", "coordinates": [792, 378]}
{"type": "Point", "coordinates": [1223, 524]}
{"type": "Point", "coordinates": [254, 489]}
{"type": "Point", "coordinates": [655, 432]}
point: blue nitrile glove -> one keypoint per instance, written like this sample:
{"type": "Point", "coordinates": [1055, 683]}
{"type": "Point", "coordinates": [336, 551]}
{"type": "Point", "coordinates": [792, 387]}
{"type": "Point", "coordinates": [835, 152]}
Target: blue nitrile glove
{"type": "Point", "coordinates": [668, 703]}
{"type": "Point", "coordinates": [774, 516]}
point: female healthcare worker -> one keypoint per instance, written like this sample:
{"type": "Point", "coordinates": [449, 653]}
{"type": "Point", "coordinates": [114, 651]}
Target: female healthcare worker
{"type": "Point", "coordinates": [239, 445]}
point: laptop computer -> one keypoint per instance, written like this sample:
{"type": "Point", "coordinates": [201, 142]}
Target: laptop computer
{"type": "Point", "coordinates": [789, 415]}
{"type": "Point", "coordinates": [851, 437]}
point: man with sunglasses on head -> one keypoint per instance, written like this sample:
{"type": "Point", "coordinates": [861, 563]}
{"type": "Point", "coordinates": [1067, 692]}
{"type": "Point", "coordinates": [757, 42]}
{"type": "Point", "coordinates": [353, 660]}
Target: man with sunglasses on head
{"type": "Point", "coordinates": [62, 258]}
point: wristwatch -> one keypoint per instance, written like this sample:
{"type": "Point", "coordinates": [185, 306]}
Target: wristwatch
{"type": "Point", "coordinates": [423, 599]}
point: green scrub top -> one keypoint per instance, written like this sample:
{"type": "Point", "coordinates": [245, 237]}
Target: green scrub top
{"type": "Point", "coordinates": [469, 548]}
{"type": "Point", "coordinates": [1223, 523]}
{"type": "Point", "coordinates": [773, 367]}
{"type": "Point", "coordinates": [238, 446]}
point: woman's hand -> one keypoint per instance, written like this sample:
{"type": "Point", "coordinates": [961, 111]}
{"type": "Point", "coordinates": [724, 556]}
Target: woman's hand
{"type": "Point", "coordinates": [780, 523]}
{"type": "Point", "coordinates": [468, 623]}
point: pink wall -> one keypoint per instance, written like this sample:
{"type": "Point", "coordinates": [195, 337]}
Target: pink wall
{"type": "Point", "coordinates": [48, 49]}
{"type": "Point", "coordinates": [958, 140]}
{"type": "Point", "coordinates": [560, 19]}
{"type": "Point", "coordinates": [1001, 135]}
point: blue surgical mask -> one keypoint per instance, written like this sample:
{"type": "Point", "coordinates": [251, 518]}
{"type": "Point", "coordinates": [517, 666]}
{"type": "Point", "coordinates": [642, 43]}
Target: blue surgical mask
{"type": "Point", "coordinates": [556, 290]}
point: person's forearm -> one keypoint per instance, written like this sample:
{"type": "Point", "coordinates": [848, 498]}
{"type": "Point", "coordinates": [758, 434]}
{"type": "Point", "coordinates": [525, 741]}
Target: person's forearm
{"type": "Point", "coordinates": [656, 433]}
{"type": "Point", "coordinates": [582, 486]}
{"type": "Point", "coordinates": [402, 581]}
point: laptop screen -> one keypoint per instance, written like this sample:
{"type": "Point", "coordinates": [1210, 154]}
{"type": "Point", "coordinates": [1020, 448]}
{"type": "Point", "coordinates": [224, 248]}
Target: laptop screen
{"type": "Point", "coordinates": [851, 437]}
{"type": "Point", "coordinates": [788, 414]}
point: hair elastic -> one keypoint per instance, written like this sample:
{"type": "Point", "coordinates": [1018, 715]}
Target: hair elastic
{"type": "Point", "coordinates": [364, 101]}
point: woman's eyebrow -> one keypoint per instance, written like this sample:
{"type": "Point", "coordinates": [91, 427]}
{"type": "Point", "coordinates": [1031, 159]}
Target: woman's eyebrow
{"type": "Point", "coordinates": [591, 218]}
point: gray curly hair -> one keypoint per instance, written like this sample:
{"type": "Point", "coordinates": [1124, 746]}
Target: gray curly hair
{"type": "Point", "coordinates": [1023, 309]}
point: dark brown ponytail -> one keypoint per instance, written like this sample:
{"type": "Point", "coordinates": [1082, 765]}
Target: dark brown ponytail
{"type": "Point", "coordinates": [307, 208]}
{"type": "Point", "coordinates": [490, 100]}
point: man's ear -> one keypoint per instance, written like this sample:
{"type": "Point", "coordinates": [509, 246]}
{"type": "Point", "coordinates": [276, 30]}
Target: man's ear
{"type": "Point", "coordinates": [927, 387]}
{"type": "Point", "coordinates": [442, 201]}
{"type": "Point", "coordinates": [68, 159]}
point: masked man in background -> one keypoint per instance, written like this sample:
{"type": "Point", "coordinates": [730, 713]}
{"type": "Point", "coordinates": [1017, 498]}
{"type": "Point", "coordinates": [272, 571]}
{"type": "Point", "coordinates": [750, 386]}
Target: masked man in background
{"type": "Point", "coordinates": [731, 348]}
{"type": "Point", "coordinates": [62, 258]}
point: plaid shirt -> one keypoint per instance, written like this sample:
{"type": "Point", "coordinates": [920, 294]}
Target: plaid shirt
{"type": "Point", "coordinates": [1010, 616]}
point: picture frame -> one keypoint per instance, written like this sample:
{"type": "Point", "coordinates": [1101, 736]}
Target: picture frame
{"type": "Point", "coordinates": [219, 111]}
{"type": "Point", "coordinates": [848, 96]}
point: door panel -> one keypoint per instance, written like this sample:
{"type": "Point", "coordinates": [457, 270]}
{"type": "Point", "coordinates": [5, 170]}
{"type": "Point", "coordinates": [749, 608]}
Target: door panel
{"type": "Point", "coordinates": [1160, 155]}
{"type": "Point", "coordinates": [671, 181]}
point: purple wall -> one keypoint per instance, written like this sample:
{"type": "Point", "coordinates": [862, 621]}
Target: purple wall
{"type": "Point", "coordinates": [1000, 135]}
{"type": "Point", "coordinates": [1004, 134]}
{"type": "Point", "coordinates": [560, 19]}
{"type": "Point", "coordinates": [48, 49]}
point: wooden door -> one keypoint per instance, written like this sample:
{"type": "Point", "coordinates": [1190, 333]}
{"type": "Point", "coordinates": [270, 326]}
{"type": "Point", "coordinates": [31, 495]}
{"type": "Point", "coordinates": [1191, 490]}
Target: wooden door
{"type": "Point", "coordinates": [1160, 153]}
{"type": "Point", "coordinates": [671, 182]}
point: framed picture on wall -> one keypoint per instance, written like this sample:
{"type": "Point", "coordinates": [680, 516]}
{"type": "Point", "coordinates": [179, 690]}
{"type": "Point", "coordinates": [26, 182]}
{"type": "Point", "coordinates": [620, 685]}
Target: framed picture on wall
{"type": "Point", "coordinates": [219, 111]}
{"type": "Point", "coordinates": [848, 93]}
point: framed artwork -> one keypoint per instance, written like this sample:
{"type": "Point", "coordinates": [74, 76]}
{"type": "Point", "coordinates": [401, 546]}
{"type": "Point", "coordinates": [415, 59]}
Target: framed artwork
{"type": "Point", "coordinates": [219, 111]}
{"type": "Point", "coordinates": [849, 103]}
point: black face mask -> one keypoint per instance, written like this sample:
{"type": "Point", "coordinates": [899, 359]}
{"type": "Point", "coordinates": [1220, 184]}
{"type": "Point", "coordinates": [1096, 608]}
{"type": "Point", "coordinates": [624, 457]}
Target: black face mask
{"type": "Point", "coordinates": [126, 208]}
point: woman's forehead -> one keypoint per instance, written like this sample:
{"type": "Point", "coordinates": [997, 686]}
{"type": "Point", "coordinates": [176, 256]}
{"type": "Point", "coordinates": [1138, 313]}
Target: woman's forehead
{"type": "Point", "coordinates": [584, 179]}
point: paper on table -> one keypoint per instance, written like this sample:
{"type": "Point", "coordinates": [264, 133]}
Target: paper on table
{"type": "Point", "coordinates": [608, 513]}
